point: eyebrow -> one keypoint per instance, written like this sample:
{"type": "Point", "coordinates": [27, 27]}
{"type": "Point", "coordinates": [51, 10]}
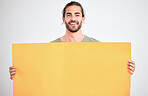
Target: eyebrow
{"type": "Point", "coordinates": [74, 13]}
{"type": "Point", "coordinates": [77, 13]}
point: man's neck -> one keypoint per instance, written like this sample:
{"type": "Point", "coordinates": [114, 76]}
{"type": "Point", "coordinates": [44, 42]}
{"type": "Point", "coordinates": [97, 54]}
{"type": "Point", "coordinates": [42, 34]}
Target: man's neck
{"type": "Point", "coordinates": [72, 37]}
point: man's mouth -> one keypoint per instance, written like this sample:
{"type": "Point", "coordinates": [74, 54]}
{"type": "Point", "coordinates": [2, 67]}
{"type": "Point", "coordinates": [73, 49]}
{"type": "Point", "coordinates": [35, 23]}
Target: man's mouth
{"type": "Point", "coordinates": [73, 23]}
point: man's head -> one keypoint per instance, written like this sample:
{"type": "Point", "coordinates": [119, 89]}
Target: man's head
{"type": "Point", "coordinates": [73, 16]}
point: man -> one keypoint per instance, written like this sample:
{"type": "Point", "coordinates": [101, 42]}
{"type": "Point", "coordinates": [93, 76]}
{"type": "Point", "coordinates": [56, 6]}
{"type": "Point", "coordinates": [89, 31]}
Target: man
{"type": "Point", "coordinates": [73, 17]}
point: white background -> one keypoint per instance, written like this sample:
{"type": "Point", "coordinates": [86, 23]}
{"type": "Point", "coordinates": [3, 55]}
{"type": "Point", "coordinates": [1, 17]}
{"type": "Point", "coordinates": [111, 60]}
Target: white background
{"type": "Point", "coordinates": [39, 21]}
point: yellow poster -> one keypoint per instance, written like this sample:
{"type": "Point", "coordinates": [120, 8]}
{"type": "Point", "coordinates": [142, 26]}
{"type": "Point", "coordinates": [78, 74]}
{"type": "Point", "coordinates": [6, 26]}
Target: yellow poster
{"type": "Point", "coordinates": [71, 69]}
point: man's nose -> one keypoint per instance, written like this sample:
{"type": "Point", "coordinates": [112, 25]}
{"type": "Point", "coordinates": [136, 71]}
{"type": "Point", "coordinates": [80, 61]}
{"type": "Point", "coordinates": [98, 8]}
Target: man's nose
{"type": "Point", "coordinates": [73, 18]}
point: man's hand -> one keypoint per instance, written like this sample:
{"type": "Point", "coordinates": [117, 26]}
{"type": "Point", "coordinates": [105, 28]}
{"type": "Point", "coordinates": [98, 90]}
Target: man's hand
{"type": "Point", "coordinates": [131, 66]}
{"type": "Point", "coordinates": [12, 71]}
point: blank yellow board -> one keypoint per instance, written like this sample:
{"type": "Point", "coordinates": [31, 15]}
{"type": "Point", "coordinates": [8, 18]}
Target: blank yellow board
{"type": "Point", "coordinates": [71, 69]}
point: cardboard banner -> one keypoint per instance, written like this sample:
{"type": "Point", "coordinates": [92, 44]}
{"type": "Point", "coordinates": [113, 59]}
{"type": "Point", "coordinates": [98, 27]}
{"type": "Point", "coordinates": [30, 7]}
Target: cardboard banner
{"type": "Point", "coordinates": [71, 69]}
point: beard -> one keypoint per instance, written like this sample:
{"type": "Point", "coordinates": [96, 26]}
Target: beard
{"type": "Point", "coordinates": [74, 28]}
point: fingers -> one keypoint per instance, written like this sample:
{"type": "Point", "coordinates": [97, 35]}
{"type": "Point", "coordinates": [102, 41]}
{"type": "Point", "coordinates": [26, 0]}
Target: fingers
{"type": "Point", "coordinates": [12, 67]}
{"type": "Point", "coordinates": [131, 63]}
{"type": "Point", "coordinates": [131, 70]}
{"type": "Point", "coordinates": [12, 77]}
{"type": "Point", "coordinates": [131, 67]}
{"type": "Point", "coordinates": [12, 71]}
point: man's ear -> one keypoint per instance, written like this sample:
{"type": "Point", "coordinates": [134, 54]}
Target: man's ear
{"type": "Point", "coordinates": [63, 20]}
{"type": "Point", "coordinates": [83, 19]}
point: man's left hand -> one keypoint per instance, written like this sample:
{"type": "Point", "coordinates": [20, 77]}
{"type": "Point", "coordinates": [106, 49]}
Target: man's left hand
{"type": "Point", "coordinates": [131, 66]}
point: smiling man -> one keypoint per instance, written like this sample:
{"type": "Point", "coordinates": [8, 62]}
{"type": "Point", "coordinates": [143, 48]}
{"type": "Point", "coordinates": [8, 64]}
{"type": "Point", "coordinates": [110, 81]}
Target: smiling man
{"type": "Point", "coordinates": [73, 17]}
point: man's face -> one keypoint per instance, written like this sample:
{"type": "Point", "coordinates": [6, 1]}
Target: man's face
{"type": "Point", "coordinates": [73, 18]}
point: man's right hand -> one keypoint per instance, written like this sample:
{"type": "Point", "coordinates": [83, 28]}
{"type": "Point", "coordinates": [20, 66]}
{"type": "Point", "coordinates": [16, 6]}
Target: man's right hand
{"type": "Point", "coordinates": [12, 71]}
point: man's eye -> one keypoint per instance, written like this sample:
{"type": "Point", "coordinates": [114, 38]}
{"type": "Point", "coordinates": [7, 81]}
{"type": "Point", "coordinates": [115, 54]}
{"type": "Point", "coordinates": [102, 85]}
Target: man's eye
{"type": "Point", "coordinates": [77, 15]}
{"type": "Point", "coordinates": [68, 15]}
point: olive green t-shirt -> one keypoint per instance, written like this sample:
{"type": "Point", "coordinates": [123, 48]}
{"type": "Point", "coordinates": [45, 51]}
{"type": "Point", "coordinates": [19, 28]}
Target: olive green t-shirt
{"type": "Point", "coordinates": [86, 39]}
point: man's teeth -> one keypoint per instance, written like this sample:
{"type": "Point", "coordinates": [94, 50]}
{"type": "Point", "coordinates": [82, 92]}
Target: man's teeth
{"type": "Point", "coordinates": [72, 23]}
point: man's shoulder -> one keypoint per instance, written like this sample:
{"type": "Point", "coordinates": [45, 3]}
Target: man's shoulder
{"type": "Point", "coordinates": [56, 40]}
{"type": "Point", "coordinates": [94, 40]}
{"type": "Point", "coordinates": [89, 39]}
